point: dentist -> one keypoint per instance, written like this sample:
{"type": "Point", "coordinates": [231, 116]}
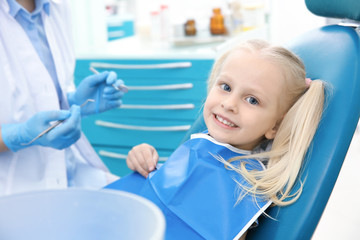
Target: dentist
{"type": "Point", "coordinates": [36, 87]}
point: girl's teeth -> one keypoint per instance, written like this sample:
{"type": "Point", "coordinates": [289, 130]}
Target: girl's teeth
{"type": "Point", "coordinates": [224, 121]}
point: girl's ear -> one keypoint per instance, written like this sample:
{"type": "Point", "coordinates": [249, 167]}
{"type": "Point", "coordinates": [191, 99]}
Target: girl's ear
{"type": "Point", "coordinates": [271, 133]}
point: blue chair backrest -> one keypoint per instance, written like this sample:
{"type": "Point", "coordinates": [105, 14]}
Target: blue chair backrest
{"type": "Point", "coordinates": [330, 53]}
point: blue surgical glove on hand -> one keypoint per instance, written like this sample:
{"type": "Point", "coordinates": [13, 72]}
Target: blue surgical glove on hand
{"type": "Point", "coordinates": [99, 88]}
{"type": "Point", "coordinates": [16, 136]}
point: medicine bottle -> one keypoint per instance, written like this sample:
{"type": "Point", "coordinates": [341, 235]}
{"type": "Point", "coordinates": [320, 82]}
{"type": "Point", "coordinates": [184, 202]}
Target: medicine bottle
{"type": "Point", "coordinates": [190, 28]}
{"type": "Point", "coordinates": [217, 26]}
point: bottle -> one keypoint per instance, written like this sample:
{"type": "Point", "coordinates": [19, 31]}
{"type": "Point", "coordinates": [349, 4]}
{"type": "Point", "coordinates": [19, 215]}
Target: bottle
{"type": "Point", "coordinates": [190, 28]}
{"type": "Point", "coordinates": [217, 26]}
{"type": "Point", "coordinates": [254, 14]}
{"type": "Point", "coordinates": [165, 22]}
{"type": "Point", "coordinates": [237, 19]}
{"type": "Point", "coordinates": [155, 26]}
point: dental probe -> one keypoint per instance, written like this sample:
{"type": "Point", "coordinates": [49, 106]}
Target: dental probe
{"type": "Point", "coordinates": [57, 123]}
{"type": "Point", "coordinates": [119, 88]}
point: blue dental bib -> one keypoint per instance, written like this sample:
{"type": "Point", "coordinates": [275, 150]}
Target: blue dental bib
{"type": "Point", "coordinates": [197, 194]}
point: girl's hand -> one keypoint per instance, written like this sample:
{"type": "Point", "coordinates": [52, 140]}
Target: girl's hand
{"type": "Point", "coordinates": [142, 159]}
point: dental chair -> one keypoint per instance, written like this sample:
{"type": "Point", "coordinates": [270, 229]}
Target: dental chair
{"type": "Point", "coordinates": [330, 53]}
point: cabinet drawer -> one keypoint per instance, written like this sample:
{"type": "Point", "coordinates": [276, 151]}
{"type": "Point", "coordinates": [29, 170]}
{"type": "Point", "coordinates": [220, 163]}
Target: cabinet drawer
{"type": "Point", "coordinates": [163, 69]}
{"type": "Point", "coordinates": [127, 131]}
{"type": "Point", "coordinates": [115, 158]}
{"type": "Point", "coordinates": [166, 90]}
{"type": "Point", "coordinates": [155, 110]}
{"type": "Point", "coordinates": [173, 89]}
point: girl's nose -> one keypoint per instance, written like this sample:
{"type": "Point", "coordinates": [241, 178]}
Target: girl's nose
{"type": "Point", "coordinates": [230, 103]}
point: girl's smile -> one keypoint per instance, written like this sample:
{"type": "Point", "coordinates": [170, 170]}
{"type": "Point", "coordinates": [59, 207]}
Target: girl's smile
{"type": "Point", "coordinates": [224, 122]}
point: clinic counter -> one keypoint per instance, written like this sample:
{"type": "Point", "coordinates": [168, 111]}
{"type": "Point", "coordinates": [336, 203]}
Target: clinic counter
{"type": "Point", "coordinates": [137, 48]}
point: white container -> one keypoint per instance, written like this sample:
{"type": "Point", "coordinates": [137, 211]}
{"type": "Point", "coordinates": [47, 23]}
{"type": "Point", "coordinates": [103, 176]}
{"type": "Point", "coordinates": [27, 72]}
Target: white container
{"type": "Point", "coordinates": [253, 14]}
{"type": "Point", "coordinates": [79, 214]}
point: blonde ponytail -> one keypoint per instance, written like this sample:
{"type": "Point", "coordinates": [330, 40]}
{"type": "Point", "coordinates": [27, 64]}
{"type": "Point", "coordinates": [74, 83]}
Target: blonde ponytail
{"type": "Point", "coordinates": [290, 145]}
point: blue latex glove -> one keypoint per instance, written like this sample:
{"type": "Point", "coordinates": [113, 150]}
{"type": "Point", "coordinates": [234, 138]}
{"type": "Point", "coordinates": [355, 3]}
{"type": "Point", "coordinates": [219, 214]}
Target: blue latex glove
{"type": "Point", "coordinates": [99, 88]}
{"type": "Point", "coordinates": [16, 136]}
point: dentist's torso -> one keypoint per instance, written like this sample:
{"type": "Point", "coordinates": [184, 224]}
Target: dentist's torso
{"type": "Point", "coordinates": [27, 88]}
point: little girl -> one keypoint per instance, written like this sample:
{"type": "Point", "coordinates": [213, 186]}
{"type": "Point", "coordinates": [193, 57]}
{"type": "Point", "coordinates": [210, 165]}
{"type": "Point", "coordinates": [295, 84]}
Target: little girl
{"type": "Point", "coordinates": [261, 115]}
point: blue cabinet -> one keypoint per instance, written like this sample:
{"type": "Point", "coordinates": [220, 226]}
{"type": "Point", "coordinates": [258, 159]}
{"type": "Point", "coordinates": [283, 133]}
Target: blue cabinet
{"type": "Point", "coordinates": [164, 99]}
{"type": "Point", "coordinates": [118, 27]}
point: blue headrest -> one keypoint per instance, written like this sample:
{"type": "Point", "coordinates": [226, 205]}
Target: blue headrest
{"type": "Point", "coordinates": [349, 9]}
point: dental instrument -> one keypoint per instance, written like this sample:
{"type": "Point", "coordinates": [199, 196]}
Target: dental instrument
{"type": "Point", "coordinates": [57, 123]}
{"type": "Point", "coordinates": [122, 87]}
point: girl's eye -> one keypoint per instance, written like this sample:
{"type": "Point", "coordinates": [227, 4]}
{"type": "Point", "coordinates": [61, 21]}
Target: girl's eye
{"type": "Point", "coordinates": [252, 100]}
{"type": "Point", "coordinates": [225, 87]}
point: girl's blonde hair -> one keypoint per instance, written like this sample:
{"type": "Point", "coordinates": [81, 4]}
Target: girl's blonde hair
{"type": "Point", "coordinates": [302, 109]}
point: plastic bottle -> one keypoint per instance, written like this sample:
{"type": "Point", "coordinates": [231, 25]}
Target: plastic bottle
{"type": "Point", "coordinates": [254, 14]}
{"type": "Point", "coordinates": [165, 22]}
{"type": "Point", "coordinates": [155, 26]}
{"type": "Point", "coordinates": [217, 26]}
{"type": "Point", "coordinates": [237, 19]}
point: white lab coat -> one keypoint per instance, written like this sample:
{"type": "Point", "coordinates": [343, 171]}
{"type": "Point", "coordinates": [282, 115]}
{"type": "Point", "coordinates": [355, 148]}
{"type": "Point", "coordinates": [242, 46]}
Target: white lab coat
{"type": "Point", "coordinates": [27, 88]}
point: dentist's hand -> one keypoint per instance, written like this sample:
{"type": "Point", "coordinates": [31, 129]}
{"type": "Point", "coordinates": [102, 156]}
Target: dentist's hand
{"type": "Point", "coordinates": [142, 159]}
{"type": "Point", "coordinates": [98, 87]}
{"type": "Point", "coordinates": [16, 136]}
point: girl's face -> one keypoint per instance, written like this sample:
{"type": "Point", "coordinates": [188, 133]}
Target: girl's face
{"type": "Point", "coordinates": [244, 105]}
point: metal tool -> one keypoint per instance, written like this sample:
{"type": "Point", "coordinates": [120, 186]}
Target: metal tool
{"type": "Point", "coordinates": [57, 123]}
{"type": "Point", "coordinates": [122, 87]}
